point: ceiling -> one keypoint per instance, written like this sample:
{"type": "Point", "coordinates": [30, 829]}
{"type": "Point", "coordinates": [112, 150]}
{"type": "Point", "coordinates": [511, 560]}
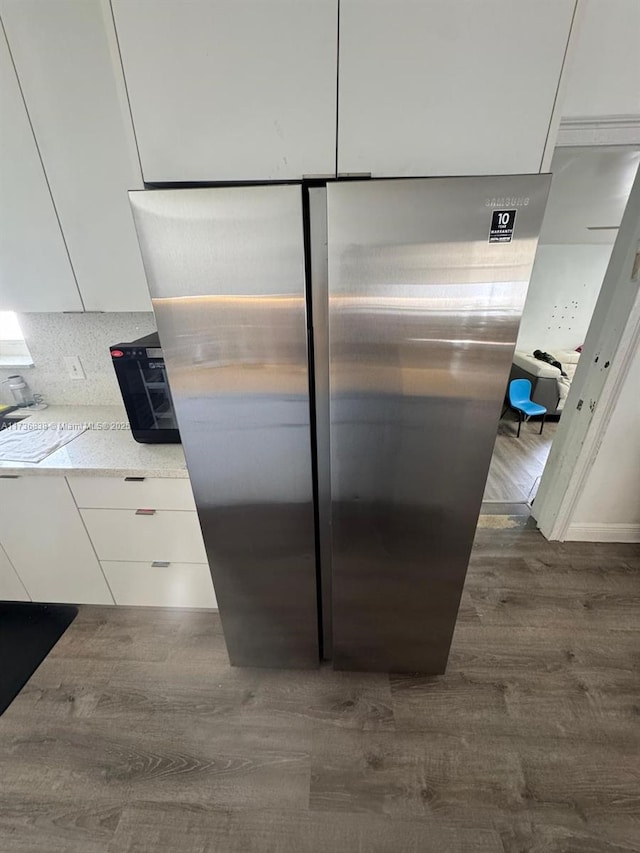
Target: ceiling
{"type": "Point", "coordinates": [590, 189]}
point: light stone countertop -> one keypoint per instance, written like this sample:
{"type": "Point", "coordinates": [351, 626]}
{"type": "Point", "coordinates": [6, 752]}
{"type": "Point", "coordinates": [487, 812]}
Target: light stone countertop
{"type": "Point", "coordinates": [103, 450]}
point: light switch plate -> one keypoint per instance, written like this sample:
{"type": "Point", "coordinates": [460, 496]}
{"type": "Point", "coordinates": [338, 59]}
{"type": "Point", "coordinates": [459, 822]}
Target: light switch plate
{"type": "Point", "coordinates": [75, 370]}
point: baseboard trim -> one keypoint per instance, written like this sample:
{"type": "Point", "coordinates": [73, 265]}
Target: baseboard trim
{"type": "Point", "coordinates": [603, 533]}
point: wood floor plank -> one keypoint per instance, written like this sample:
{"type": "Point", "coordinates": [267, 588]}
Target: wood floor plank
{"type": "Point", "coordinates": [183, 827]}
{"type": "Point", "coordinates": [462, 781]}
{"type": "Point", "coordinates": [274, 698]}
{"type": "Point", "coordinates": [347, 700]}
{"type": "Point", "coordinates": [71, 826]}
{"type": "Point", "coordinates": [595, 780]}
{"type": "Point", "coordinates": [566, 703]}
{"type": "Point", "coordinates": [108, 633]}
{"type": "Point", "coordinates": [615, 550]}
{"type": "Point", "coordinates": [537, 607]}
{"type": "Point", "coordinates": [222, 766]}
{"type": "Point", "coordinates": [531, 836]}
{"type": "Point", "coordinates": [541, 649]}
{"type": "Point", "coordinates": [488, 572]}
{"type": "Point", "coordinates": [589, 574]}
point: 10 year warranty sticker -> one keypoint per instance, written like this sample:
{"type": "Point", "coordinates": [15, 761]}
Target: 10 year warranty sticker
{"type": "Point", "coordinates": [502, 223]}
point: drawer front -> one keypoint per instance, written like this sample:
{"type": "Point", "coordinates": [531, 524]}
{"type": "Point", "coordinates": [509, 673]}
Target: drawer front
{"type": "Point", "coordinates": [175, 585]}
{"type": "Point", "coordinates": [120, 493]}
{"type": "Point", "coordinates": [123, 534]}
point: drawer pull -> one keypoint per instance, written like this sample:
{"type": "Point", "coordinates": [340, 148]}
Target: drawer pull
{"type": "Point", "coordinates": [9, 476]}
{"type": "Point", "coordinates": [160, 564]}
{"type": "Point", "coordinates": [145, 512]}
{"type": "Point", "coordinates": [134, 479]}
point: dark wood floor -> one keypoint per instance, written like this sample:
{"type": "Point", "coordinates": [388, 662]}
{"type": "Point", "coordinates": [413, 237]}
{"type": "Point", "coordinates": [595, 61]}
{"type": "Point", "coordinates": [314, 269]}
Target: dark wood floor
{"type": "Point", "coordinates": [135, 735]}
{"type": "Point", "coordinates": [517, 463]}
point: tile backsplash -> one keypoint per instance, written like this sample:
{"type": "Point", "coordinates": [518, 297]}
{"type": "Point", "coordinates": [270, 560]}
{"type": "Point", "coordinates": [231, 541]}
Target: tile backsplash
{"type": "Point", "coordinates": [51, 337]}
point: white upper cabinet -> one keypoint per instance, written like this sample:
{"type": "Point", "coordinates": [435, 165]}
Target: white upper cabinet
{"type": "Point", "coordinates": [604, 73]}
{"type": "Point", "coordinates": [65, 54]}
{"type": "Point", "coordinates": [231, 89]}
{"type": "Point", "coordinates": [35, 273]}
{"type": "Point", "coordinates": [448, 88]}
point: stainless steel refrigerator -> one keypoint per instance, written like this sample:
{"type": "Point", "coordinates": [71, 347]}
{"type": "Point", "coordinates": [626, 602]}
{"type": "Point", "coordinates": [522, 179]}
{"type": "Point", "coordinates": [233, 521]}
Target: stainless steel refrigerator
{"type": "Point", "coordinates": [338, 356]}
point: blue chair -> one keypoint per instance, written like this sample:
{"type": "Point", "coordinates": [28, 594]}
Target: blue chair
{"type": "Point", "coordinates": [520, 401]}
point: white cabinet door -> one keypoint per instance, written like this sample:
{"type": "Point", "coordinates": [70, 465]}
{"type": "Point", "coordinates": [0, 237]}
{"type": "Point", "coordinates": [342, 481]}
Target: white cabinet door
{"type": "Point", "coordinates": [35, 273]}
{"type": "Point", "coordinates": [65, 54]}
{"type": "Point", "coordinates": [45, 539]}
{"type": "Point", "coordinates": [604, 72]}
{"type": "Point", "coordinates": [11, 588]}
{"type": "Point", "coordinates": [231, 89]}
{"type": "Point", "coordinates": [448, 88]}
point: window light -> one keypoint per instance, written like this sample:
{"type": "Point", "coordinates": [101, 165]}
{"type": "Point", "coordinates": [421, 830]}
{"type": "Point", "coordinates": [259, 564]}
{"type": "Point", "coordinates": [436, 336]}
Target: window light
{"type": "Point", "coordinates": [10, 327]}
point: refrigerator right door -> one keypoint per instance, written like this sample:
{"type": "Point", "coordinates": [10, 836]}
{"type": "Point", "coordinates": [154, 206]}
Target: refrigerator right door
{"type": "Point", "coordinates": [427, 281]}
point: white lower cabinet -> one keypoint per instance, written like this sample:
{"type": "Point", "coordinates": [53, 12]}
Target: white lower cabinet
{"type": "Point", "coordinates": [145, 535]}
{"type": "Point", "coordinates": [93, 540]}
{"type": "Point", "coordinates": [46, 542]}
{"type": "Point", "coordinates": [160, 584]}
{"type": "Point", "coordinates": [11, 588]}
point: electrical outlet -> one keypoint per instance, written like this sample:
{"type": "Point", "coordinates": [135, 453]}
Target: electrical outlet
{"type": "Point", "coordinates": [74, 367]}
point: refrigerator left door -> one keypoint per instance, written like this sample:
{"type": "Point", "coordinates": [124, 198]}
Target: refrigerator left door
{"type": "Point", "coordinates": [226, 272]}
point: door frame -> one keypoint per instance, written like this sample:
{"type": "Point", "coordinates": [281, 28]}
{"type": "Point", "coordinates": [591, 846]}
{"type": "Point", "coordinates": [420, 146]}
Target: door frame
{"type": "Point", "coordinates": [612, 341]}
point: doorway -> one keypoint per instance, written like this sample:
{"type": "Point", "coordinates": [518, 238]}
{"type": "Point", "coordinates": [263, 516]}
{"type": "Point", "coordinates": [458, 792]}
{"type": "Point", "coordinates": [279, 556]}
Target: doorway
{"type": "Point", "coordinates": [589, 192]}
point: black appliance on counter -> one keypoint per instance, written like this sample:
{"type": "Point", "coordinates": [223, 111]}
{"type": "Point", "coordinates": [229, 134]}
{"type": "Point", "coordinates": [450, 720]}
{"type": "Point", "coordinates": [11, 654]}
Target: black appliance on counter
{"type": "Point", "coordinates": [139, 367]}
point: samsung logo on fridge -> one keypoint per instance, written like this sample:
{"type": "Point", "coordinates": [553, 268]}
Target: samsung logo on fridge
{"type": "Point", "coordinates": [507, 201]}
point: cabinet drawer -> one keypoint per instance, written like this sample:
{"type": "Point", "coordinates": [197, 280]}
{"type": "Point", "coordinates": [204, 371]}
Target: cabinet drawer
{"type": "Point", "coordinates": [121, 534]}
{"type": "Point", "coordinates": [175, 585]}
{"type": "Point", "coordinates": [119, 493]}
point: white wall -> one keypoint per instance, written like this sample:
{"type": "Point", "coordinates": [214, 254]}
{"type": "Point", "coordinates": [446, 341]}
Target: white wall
{"type": "Point", "coordinates": [588, 197]}
{"type": "Point", "coordinates": [604, 75]}
{"type": "Point", "coordinates": [52, 336]}
{"type": "Point", "coordinates": [610, 501]}
{"type": "Point", "coordinates": [564, 288]}
{"type": "Point", "coordinates": [589, 192]}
